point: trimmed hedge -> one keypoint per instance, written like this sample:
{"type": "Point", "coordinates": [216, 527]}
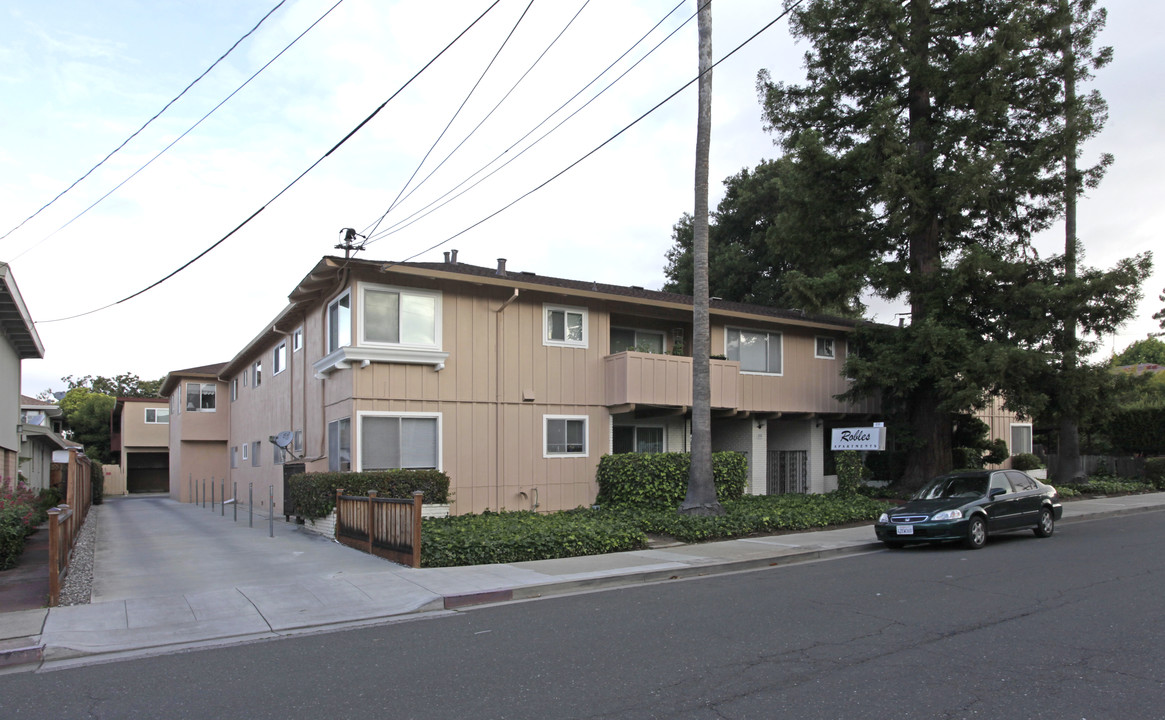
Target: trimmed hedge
{"type": "Point", "coordinates": [1155, 472]}
{"type": "Point", "coordinates": [509, 537]}
{"type": "Point", "coordinates": [313, 495]}
{"type": "Point", "coordinates": [1025, 462]}
{"type": "Point", "coordinates": [661, 479]}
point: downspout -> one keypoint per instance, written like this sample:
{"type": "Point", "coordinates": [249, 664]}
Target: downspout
{"type": "Point", "coordinates": [498, 464]}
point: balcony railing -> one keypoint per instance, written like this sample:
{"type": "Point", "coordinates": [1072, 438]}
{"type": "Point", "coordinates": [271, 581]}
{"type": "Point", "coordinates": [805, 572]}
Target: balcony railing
{"type": "Point", "coordinates": [649, 379]}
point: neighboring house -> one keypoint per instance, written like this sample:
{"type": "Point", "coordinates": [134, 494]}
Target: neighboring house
{"type": "Point", "coordinates": [40, 436]}
{"type": "Point", "coordinates": [18, 341]}
{"type": "Point", "coordinates": [199, 427]}
{"type": "Point", "coordinates": [1013, 429]}
{"type": "Point", "coordinates": [514, 384]}
{"type": "Point", "coordinates": [140, 433]}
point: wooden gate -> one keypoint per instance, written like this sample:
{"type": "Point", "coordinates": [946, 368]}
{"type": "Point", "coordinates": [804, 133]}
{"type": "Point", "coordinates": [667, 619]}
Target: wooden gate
{"type": "Point", "coordinates": [386, 527]}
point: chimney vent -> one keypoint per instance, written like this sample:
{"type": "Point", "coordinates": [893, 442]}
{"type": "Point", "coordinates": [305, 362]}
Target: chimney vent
{"type": "Point", "coordinates": [502, 267]}
{"type": "Point", "coordinates": [446, 257]}
{"type": "Point", "coordinates": [453, 256]}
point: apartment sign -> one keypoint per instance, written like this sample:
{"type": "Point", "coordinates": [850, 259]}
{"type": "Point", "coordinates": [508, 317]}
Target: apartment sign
{"type": "Point", "coordinates": [861, 438]}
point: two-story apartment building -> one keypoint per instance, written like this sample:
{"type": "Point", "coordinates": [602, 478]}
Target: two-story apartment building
{"type": "Point", "coordinates": [512, 383]}
{"type": "Point", "coordinates": [18, 341]}
{"type": "Point", "coordinates": [140, 435]}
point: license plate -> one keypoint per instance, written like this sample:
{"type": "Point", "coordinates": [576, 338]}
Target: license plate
{"type": "Point", "coordinates": [905, 529]}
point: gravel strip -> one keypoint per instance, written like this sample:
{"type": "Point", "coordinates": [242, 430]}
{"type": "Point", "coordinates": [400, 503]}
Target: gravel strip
{"type": "Point", "coordinates": [78, 589]}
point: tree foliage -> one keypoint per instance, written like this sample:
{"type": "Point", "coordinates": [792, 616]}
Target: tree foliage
{"type": "Point", "coordinates": [937, 129]}
{"type": "Point", "coordinates": [1149, 350]}
{"type": "Point", "coordinates": [124, 385]}
{"type": "Point", "coordinates": [88, 415]}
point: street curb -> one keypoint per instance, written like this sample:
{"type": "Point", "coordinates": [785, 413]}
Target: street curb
{"type": "Point", "coordinates": [20, 651]}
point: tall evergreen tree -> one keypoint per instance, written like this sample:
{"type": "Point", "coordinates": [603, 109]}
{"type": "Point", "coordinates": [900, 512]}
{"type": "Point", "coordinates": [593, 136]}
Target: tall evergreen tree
{"type": "Point", "coordinates": [941, 122]}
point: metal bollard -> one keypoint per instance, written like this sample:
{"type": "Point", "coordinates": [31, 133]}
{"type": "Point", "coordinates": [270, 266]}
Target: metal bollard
{"type": "Point", "coordinates": [212, 493]}
{"type": "Point", "coordinates": [223, 487]}
{"type": "Point", "coordinates": [271, 511]}
{"type": "Point", "coordinates": [190, 487]}
{"type": "Point", "coordinates": [251, 504]}
{"type": "Point", "coordinates": [204, 493]}
{"type": "Point", "coordinates": [235, 495]}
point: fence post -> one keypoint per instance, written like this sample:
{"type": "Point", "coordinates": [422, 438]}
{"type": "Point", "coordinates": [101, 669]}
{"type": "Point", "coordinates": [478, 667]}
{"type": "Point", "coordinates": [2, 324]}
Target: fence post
{"type": "Point", "coordinates": [54, 557]}
{"type": "Point", "coordinates": [417, 495]}
{"type": "Point", "coordinates": [336, 527]}
{"type": "Point", "coordinates": [371, 518]}
{"type": "Point", "coordinates": [270, 511]}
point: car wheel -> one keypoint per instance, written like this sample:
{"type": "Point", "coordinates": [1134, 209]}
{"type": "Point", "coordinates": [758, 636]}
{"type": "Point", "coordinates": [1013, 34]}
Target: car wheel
{"type": "Point", "coordinates": [1046, 525]}
{"type": "Point", "coordinates": [894, 544]}
{"type": "Point", "coordinates": [976, 533]}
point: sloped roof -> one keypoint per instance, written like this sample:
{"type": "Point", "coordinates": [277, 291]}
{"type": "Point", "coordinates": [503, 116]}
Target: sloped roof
{"type": "Point", "coordinates": [172, 378]}
{"type": "Point", "coordinates": [15, 322]}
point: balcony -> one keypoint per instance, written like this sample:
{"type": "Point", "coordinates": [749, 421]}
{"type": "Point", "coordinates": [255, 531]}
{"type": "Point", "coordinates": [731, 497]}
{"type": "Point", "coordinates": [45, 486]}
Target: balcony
{"type": "Point", "coordinates": [635, 378]}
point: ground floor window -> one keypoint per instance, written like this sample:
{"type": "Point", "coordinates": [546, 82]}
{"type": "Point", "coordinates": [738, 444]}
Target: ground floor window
{"type": "Point", "coordinates": [633, 438]}
{"type": "Point", "coordinates": [564, 435]}
{"type": "Point", "coordinates": [340, 445]}
{"type": "Point", "coordinates": [1021, 439]}
{"type": "Point", "coordinates": [399, 441]}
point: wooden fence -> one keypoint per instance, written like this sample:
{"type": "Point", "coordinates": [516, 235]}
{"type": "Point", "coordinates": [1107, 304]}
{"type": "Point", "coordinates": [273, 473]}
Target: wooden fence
{"type": "Point", "coordinates": [386, 527]}
{"type": "Point", "coordinates": [65, 521]}
{"type": "Point", "coordinates": [1121, 466]}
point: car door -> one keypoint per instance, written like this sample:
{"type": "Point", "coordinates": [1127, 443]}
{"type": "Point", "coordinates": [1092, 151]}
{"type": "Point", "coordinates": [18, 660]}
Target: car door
{"type": "Point", "coordinates": [1001, 510]}
{"type": "Point", "coordinates": [1028, 498]}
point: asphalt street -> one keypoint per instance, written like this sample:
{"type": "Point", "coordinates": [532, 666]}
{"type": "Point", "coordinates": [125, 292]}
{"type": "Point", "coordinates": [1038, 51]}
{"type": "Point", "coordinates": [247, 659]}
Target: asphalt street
{"type": "Point", "coordinates": [1067, 627]}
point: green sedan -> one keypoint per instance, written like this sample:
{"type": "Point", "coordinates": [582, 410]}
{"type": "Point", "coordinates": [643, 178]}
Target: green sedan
{"type": "Point", "coordinates": [970, 506]}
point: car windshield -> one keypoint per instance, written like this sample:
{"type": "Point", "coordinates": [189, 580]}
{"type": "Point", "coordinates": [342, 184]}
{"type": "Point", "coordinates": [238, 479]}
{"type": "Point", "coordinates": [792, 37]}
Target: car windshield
{"type": "Point", "coordinates": [959, 486]}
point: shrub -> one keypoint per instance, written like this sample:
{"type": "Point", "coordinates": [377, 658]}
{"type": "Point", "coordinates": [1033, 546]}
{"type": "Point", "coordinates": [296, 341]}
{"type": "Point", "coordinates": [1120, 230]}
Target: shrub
{"type": "Point", "coordinates": [97, 477]}
{"type": "Point", "coordinates": [1138, 429]}
{"type": "Point", "coordinates": [313, 495]}
{"type": "Point", "coordinates": [850, 471]}
{"type": "Point", "coordinates": [1155, 472]}
{"type": "Point", "coordinates": [1100, 486]}
{"type": "Point", "coordinates": [509, 537]}
{"type": "Point", "coordinates": [661, 479]}
{"type": "Point", "coordinates": [967, 458]}
{"type": "Point", "coordinates": [13, 531]}
{"type": "Point", "coordinates": [1026, 461]}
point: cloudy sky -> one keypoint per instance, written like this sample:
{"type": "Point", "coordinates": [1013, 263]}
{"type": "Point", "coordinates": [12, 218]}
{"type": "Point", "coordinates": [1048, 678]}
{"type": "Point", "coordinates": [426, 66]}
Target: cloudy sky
{"type": "Point", "coordinates": [77, 78]}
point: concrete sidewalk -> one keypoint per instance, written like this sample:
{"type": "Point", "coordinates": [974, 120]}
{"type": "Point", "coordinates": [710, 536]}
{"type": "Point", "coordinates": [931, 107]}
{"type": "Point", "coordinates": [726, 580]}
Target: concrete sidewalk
{"type": "Point", "coordinates": [176, 591]}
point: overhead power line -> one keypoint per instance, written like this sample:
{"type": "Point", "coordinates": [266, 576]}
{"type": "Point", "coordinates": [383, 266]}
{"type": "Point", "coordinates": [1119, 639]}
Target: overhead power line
{"type": "Point", "coordinates": [323, 157]}
{"type": "Point", "coordinates": [188, 130]}
{"type": "Point", "coordinates": [606, 142]}
{"type": "Point", "coordinates": [147, 124]}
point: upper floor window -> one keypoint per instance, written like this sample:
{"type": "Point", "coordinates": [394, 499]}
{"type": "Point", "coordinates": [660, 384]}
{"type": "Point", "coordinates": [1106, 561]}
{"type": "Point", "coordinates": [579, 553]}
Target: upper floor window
{"type": "Point", "coordinates": [257, 374]}
{"type": "Point", "coordinates": [564, 326]}
{"type": "Point", "coordinates": [824, 347]}
{"type": "Point", "coordinates": [340, 322]}
{"type": "Point", "coordinates": [399, 316]}
{"type": "Point", "coordinates": [279, 359]}
{"type": "Point", "coordinates": [297, 340]}
{"type": "Point", "coordinates": [157, 416]}
{"type": "Point", "coordinates": [235, 388]}
{"type": "Point", "coordinates": [564, 435]}
{"type": "Point", "coordinates": [758, 352]}
{"type": "Point", "coordinates": [650, 341]}
{"type": "Point", "coordinates": [200, 397]}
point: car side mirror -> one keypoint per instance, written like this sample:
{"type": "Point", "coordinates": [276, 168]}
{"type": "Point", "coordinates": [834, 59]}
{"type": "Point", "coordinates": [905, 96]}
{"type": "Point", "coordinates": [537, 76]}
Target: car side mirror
{"type": "Point", "coordinates": [995, 492]}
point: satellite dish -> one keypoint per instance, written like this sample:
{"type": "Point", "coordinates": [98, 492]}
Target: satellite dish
{"type": "Point", "coordinates": [284, 439]}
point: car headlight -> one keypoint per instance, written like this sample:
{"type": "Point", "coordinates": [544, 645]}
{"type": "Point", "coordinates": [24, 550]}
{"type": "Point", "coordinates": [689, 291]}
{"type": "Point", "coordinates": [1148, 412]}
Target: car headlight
{"type": "Point", "coordinates": [948, 515]}
{"type": "Point", "coordinates": [884, 518]}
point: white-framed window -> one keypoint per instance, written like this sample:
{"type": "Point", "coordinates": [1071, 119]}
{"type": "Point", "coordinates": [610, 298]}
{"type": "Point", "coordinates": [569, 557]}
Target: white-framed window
{"type": "Point", "coordinates": [1021, 438]}
{"type": "Point", "coordinates": [564, 326]}
{"type": "Point", "coordinates": [340, 445]}
{"type": "Point", "coordinates": [246, 451]}
{"type": "Point", "coordinates": [564, 436]}
{"type": "Point", "coordinates": [279, 359]}
{"type": "Point", "coordinates": [297, 339]}
{"type": "Point", "coordinates": [631, 339]}
{"type": "Point", "coordinates": [244, 376]}
{"type": "Point", "coordinates": [234, 457]}
{"type": "Point", "coordinates": [399, 440]}
{"type": "Point", "coordinates": [200, 397]}
{"type": "Point", "coordinates": [824, 347]}
{"type": "Point", "coordinates": [235, 389]}
{"type": "Point", "coordinates": [757, 352]}
{"type": "Point", "coordinates": [255, 447]}
{"type": "Point", "coordinates": [157, 416]}
{"type": "Point", "coordinates": [637, 438]}
{"type": "Point", "coordinates": [340, 322]}
{"type": "Point", "coordinates": [399, 316]}
{"type": "Point", "coordinates": [257, 373]}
